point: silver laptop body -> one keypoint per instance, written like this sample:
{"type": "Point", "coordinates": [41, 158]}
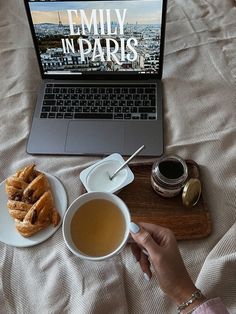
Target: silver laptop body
{"type": "Point", "coordinates": [92, 46]}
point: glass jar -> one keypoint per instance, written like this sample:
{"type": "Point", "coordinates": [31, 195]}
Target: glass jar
{"type": "Point", "coordinates": [169, 175]}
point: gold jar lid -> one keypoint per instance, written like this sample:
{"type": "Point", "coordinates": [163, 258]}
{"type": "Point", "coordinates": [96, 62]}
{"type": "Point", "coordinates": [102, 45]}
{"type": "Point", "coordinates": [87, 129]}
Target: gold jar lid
{"type": "Point", "coordinates": [191, 192]}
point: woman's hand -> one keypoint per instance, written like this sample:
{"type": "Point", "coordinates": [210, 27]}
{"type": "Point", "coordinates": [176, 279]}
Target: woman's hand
{"type": "Point", "coordinates": [164, 255]}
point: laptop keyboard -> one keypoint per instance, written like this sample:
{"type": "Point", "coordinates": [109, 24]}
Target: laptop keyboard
{"type": "Point", "coordinates": [129, 102]}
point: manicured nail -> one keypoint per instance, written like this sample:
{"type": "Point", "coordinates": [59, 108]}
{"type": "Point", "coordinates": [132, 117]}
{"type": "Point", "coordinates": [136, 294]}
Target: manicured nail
{"type": "Point", "coordinates": [146, 277]}
{"type": "Point", "coordinates": [134, 228]}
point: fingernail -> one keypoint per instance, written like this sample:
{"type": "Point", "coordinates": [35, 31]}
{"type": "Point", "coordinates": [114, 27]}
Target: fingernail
{"type": "Point", "coordinates": [133, 227]}
{"type": "Point", "coordinates": [146, 277]}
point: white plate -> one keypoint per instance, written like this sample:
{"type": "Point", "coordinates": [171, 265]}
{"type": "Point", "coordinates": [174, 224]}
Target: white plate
{"type": "Point", "coordinates": [8, 232]}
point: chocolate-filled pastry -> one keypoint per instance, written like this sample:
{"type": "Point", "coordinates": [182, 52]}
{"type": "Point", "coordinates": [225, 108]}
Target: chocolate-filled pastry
{"type": "Point", "coordinates": [17, 209]}
{"type": "Point", "coordinates": [36, 189]}
{"type": "Point", "coordinates": [30, 201]}
{"type": "Point", "coordinates": [15, 188]}
{"type": "Point", "coordinates": [27, 174]}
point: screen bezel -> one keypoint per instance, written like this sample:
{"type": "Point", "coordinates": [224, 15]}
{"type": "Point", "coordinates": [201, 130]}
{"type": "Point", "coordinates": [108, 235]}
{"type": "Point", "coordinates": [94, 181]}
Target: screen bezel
{"type": "Point", "coordinates": [97, 75]}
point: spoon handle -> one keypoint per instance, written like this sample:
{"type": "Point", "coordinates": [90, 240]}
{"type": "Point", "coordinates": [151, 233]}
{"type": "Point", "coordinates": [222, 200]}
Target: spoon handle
{"type": "Point", "coordinates": [127, 161]}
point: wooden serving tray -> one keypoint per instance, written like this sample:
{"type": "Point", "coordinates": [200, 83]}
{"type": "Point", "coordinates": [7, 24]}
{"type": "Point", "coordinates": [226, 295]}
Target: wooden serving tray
{"type": "Point", "coordinates": [147, 206]}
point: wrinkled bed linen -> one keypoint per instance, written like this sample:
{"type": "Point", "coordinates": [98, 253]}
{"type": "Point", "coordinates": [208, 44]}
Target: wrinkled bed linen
{"type": "Point", "coordinates": [199, 83]}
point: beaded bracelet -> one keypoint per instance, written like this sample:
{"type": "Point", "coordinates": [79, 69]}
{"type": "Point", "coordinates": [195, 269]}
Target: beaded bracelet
{"type": "Point", "coordinates": [195, 296]}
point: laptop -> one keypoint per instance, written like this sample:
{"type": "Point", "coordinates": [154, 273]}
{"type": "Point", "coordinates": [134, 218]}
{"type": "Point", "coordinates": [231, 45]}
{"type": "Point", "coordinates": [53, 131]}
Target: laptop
{"type": "Point", "coordinates": [101, 65]}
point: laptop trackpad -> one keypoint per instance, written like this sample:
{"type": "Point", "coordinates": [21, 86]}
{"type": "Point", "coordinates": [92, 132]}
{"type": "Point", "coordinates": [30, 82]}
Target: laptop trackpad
{"type": "Point", "coordinates": [95, 137]}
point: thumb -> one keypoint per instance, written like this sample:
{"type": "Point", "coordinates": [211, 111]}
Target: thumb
{"type": "Point", "coordinates": [143, 238]}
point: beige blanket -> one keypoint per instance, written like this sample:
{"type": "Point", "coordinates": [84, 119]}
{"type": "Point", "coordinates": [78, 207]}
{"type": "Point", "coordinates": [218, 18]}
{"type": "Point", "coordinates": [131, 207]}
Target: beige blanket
{"type": "Point", "coordinates": [200, 123]}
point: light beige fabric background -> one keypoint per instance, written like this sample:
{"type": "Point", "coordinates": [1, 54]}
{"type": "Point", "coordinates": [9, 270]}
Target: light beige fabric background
{"type": "Point", "coordinates": [200, 123]}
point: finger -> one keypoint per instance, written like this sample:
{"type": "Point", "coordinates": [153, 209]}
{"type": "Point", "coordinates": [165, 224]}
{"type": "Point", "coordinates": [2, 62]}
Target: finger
{"type": "Point", "coordinates": [152, 228]}
{"type": "Point", "coordinates": [136, 251]}
{"type": "Point", "coordinates": [145, 266]}
{"type": "Point", "coordinates": [130, 239]}
{"type": "Point", "coordinates": [158, 233]}
{"type": "Point", "coordinates": [144, 239]}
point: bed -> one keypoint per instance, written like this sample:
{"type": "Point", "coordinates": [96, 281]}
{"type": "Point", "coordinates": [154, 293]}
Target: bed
{"type": "Point", "coordinates": [199, 83]}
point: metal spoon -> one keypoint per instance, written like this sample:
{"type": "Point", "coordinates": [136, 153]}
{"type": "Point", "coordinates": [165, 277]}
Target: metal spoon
{"type": "Point", "coordinates": [127, 161]}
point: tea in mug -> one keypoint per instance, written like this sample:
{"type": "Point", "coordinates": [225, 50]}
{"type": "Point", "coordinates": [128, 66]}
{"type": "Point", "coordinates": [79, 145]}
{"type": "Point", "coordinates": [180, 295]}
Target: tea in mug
{"type": "Point", "coordinates": [97, 228]}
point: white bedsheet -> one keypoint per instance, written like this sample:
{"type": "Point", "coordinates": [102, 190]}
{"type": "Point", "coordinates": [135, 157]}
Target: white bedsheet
{"type": "Point", "coordinates": [200, 123]}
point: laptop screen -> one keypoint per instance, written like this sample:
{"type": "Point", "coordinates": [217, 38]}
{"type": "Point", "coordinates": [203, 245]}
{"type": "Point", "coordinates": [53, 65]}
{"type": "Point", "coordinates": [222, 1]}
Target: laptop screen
{"type": "Point", "coordinates": [85, 37]}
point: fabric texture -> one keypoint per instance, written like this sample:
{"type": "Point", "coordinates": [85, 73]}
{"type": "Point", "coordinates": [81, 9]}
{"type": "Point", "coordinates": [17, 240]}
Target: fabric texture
{"type": "Point", "coordinates": [199, 83]}
{"type": "Point", "coordinates": [213, 306]}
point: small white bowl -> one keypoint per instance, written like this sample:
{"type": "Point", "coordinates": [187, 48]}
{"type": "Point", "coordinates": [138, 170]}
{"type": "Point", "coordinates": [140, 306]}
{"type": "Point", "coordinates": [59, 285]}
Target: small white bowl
{"type": "Point", "coordinates": [96, 177]}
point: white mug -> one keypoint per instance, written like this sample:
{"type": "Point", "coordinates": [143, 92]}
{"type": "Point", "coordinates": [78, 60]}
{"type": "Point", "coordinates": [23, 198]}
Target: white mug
{"type": "Point", "coordinates": [75, 206]}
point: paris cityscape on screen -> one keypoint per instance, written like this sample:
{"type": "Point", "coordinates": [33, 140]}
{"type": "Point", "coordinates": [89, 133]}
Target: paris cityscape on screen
{"type": "Point", "coordinates": [76, 39]}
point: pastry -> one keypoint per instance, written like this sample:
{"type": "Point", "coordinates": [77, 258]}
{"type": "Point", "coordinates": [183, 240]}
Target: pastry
{"type": "Point", "coordinates": [36, 189]}
{"type": "Point", "coordinates": [18, 209]}
{"type": "Point", "coordinates": [15, 188]}
{"type": "Point", "coordinates": [30, 201]}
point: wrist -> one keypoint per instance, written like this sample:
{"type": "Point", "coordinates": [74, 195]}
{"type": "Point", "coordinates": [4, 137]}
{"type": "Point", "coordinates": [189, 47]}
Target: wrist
{"type": "Point", "coordinates": [180, 295]}
{"type": "Point", "coordinates": [192, 302]}
{"type": "Point", "coordinates": [192, 307]}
